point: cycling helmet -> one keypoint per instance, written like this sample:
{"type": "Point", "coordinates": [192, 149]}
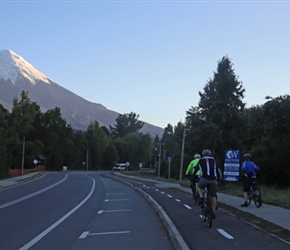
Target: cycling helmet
{"type": "Point", "coordinates": [197, 156]}
{"type": "Point", "coordinates": [247, 156]}
{"type": "Point", "coordinates": [206, 152]}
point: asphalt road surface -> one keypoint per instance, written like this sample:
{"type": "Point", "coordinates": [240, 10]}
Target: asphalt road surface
{"type": "Point", "coordinates": [78, 211]}
{"type": "Point", "coordinates": [227, 232]}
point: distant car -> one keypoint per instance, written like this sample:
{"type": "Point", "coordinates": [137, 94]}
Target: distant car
{"type": "Point", "coordinates": [120, 167]}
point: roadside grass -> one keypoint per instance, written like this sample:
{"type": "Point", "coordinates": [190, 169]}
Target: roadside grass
{"type": "Point", "coordinates": [270, 195]}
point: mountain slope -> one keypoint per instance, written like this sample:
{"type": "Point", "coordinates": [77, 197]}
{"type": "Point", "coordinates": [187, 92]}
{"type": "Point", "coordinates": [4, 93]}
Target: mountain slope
{"type": "Point", "coordinates": [17, 75]}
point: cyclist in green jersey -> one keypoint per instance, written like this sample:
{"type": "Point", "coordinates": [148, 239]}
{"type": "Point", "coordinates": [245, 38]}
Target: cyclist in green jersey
{"type": "Point", "coordinates": [190, 169]}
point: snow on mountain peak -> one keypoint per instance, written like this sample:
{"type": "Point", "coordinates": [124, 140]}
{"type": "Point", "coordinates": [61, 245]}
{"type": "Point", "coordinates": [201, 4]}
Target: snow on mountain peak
{"type": "Point", "coordinates": [12, 66]}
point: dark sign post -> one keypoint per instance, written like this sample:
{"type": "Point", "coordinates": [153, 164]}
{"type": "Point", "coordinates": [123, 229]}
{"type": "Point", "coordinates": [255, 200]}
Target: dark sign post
{"type": "Point", "coordinates": [169, 161]}
{"type": "Point", "coordinates": [232, 165]}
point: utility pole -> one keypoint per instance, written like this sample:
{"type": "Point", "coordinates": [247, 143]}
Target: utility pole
{"type": "Point", "coordinates": [182, 154]}
{"type": "Point", "coordinates": [159, 158]}
{"type": "Point", "coordinates": [23, 153]}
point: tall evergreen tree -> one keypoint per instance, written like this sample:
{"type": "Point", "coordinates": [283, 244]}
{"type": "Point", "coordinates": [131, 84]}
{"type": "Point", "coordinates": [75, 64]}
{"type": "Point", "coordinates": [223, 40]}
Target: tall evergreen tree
{"type": "Point", "coordinates": [220, 111]}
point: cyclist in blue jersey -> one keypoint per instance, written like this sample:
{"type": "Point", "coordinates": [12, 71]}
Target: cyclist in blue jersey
{"type": "Point", "coordinates": [249, 168]}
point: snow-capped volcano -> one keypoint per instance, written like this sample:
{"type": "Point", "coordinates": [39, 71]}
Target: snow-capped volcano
{"type": "Point", "coordinates": [13, 66]}
{"type": "Point", "coordinates": [17, 75]}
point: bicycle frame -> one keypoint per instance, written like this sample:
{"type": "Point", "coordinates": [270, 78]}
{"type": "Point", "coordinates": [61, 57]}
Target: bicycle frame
{"type": "Point", "coordinates": [207, 212]}
{"type": "Point", "coordinates": [255, 193]}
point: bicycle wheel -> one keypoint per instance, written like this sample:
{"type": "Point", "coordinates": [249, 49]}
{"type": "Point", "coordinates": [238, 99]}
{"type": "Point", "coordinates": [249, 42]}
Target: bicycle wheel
{"type": "Point", "coordinates": [209, 217]}
{"type": "Point", "coordinates": [257, 197]}
{"type": "Point", "coordinates": [204, 210]}
{"type": "Point", "coordinates": [250, 197]}
{"type": "Point", "coordinates": [209, 212]}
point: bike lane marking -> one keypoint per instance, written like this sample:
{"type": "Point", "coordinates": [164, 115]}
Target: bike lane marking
{"type": "Point", "coordinates": [221, 231]}
{"type": "Point", "coordinates": [225, 234]}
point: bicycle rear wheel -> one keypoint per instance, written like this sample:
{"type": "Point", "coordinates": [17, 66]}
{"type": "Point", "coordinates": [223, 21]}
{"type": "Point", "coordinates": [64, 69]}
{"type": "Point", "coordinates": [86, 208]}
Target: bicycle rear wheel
{"type": "Point", "coordinates": [204, 212]}
{"type": "Point", "coordinates": [209, 217]}
{"type": "Point", "coordinates": [257, 197]}
{"type": "Point", "coordinates": [209, 211]}
{"type": "Point", "coordinates": [249, 197]}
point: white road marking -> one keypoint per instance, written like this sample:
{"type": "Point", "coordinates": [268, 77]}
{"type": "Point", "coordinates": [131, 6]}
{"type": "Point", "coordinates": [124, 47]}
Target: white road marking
{"type": "Point", "coordinates": [53, 226]}
{"type": "Point", "coordinates": [113, 211]}
{"type": "Point", "coordinates": [178, 200]}
{"type": "Point", "coordinates": [116, 193]}
{"type": "Point", "coordinates": [162, 192]}
{"type": "Point", "coordinates": [85, 234]}
{"type": "Point", "coordinates": [33, 194]}
{"type": "Point", "coordinates": [188, 207]}
{"type": "Point", "coordinates": [225, 234]}
{"type": "Point", "coordinates": [107, 200]}
{"type": "Point", "coordinates": [170, 196]}
{"type": "Point", "coordinates": [157, 190]}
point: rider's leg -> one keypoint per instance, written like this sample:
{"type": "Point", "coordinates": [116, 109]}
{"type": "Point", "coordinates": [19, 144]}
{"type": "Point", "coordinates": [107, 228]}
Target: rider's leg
{"type": "Point", "coordinates": [214, 203]}
{"type": "Point", "coordinates": [246, 189]}
{"type": "Point", "coordinates": [246, 196]}
{"type": "Point", "coordinates": [200, 192]}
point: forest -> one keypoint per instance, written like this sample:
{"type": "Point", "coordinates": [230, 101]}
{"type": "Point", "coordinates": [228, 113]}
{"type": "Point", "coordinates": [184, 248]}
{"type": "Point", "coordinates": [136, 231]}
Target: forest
{"type": "Point", "coordinates": [219, 122]}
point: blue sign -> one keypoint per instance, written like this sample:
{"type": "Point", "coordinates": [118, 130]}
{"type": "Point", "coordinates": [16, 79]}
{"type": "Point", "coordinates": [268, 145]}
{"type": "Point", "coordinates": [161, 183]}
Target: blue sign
{"type": "Point", "coordinates": [232, 165]}
{"type": "Point", "coordinates": [169, 159]}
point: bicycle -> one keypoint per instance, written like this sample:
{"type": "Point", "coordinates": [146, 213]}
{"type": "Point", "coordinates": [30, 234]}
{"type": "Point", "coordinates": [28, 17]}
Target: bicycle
{"type": "Point", "coordinates": [195, 195]}
{"type": "Point", "coordinates": [255, 193]}
{"type": "Point", "coordinates": [206, 207]}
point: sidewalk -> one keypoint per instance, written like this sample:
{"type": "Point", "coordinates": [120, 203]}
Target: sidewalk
{"type": "Point", "coordinates": [276, 215]}
{"type": "Point", "coordinates": [4, 183]}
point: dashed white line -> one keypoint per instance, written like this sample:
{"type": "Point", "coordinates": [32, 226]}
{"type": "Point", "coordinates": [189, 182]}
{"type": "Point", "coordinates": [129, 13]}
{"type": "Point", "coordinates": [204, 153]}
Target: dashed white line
{"type": "Point", "coordinates": [188, 207]}
{"type": "Point", "coordinates": [53, 226]}
{"type": "Point", "coordinates": [116, 193]}
{"type": "Point", "coordinates": [170, 196]}
{"type": "Point", "coordinates": [85, 234]}
{"type": "Point", "coordinates": [107, 200]}
{"type": "Point", "coordinates": [113, 211]}
{"type": "Point", "coordinates": [178, 200]}
{"type": "Point", "coordinates": [225, 234]}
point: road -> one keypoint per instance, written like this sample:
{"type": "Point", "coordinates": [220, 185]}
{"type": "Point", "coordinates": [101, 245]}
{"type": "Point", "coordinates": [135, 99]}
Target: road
{"type": "Point", "coordinates": [66, 210]}
{"type": "Point", "coordinates": [227, 232]}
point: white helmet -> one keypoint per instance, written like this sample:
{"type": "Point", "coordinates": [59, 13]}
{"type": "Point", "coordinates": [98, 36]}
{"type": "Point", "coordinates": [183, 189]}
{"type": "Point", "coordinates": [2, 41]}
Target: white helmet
{"type": "Point", "coordinates": [197, 156]}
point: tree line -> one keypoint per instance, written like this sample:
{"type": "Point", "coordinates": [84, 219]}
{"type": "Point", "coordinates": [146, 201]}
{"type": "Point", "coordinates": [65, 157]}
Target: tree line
{"type": "Point", "coordinates": [219, 122]}
{"type": "Point", "coordinates": [48, 134]}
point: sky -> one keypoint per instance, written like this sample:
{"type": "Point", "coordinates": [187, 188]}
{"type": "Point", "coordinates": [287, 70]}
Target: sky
{"type": "Point", "coordinates": [151, 57]}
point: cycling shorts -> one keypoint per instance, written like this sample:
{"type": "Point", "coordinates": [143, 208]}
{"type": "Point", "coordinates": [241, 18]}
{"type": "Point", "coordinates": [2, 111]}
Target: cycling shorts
{"type": "Point", "coordinates": [214, 185]}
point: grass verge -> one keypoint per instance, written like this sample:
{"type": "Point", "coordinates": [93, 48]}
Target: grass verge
{"type": "Point", "coordinates": [270, 195]}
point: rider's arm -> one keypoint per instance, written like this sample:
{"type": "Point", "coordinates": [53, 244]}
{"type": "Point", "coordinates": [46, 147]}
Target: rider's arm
{"type": "Point", "coordinates": [195, 170]}
{"type": "Point", "coordinates": [257, 168]}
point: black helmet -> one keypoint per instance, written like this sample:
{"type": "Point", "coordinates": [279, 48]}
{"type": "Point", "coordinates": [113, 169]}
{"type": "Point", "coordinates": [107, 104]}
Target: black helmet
{"type": "Point", "coordinates": [247, 156]}
{"type": "Point", "coordinates": [206, 152]}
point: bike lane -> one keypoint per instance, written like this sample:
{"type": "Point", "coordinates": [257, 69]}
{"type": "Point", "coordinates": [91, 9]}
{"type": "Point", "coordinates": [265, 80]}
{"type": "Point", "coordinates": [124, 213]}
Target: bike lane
{"type": "Point", "coordinates": [227, 232]}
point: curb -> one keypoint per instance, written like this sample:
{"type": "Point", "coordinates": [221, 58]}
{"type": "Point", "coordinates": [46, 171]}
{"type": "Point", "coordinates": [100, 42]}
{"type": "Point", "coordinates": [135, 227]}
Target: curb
{"type": "Point", "coordinates": [174, 234]}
